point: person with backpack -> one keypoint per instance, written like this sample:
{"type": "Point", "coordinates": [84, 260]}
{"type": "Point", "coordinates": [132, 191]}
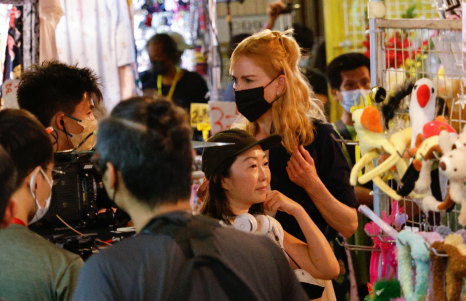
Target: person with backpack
{"type": "Point", "coordinates": [145, 157]}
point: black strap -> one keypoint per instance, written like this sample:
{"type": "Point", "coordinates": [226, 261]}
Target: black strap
{"type": "Point", "coordinates": [343, 130]}
{"type": "Point", "coordinates": [194, 235]}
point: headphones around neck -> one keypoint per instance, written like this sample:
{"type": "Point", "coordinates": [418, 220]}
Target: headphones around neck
{"type": "Point", "coordinates": [260, 224]}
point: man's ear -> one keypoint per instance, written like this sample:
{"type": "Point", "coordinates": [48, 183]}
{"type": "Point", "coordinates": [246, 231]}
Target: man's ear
{"type": "Point", "coordinates": [35, 171]}
{"type": "Point", "coordinates": [334, 93]}
{"type": "Point", "coordinates": [58, 120]}
{"type": "Point", "coordinates": [10, 212]}
{"type": "Point", "coordinates": [111, 176]}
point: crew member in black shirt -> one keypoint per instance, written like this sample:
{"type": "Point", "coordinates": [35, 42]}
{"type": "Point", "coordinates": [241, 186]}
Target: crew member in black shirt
{"type": "Point", "coordinates": [166, 78]}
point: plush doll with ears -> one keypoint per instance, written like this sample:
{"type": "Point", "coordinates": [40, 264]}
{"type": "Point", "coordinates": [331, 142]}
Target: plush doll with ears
{"type": "Point", "coordinates": [452, 165]}
{"type": "Point", "coordinates": [426, 151]}
{"type": "Point", "coordinates": [444, 142]}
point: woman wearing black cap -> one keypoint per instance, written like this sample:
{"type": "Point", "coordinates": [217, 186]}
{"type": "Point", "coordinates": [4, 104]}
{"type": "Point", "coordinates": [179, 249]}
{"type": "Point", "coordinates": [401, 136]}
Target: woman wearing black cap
{"type": "Point", "coordinates": [309, 166]}
{"type": "Point", "coordinates": [239, 181]}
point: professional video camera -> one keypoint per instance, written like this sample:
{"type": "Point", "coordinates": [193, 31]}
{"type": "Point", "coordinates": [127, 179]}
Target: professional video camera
{"type": "Point", "coordinates": [78, 196]}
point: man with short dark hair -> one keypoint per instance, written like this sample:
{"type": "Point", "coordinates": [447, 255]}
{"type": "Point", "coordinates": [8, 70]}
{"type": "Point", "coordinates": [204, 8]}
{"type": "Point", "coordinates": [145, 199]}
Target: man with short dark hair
{"type": "Point", "coordinates": [167, 78]}
{"type": "Point", "coordinates": [349, 77]}
{"type": "Point", "coordinates": [145, 156]}
{"type": "Point", "coordinates": [31, 267]}
{"type": "Point", "coordinates": [62, 97]}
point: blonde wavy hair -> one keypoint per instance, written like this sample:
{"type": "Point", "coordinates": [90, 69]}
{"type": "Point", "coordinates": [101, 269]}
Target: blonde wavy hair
{"type": "Point", "coordinates": [278, 53]}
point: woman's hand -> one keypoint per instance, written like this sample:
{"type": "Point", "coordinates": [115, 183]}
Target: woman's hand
{"type": "Point", "coordinates": [276, 200]}
{"type": "Point", "coordinates": [301, 169]}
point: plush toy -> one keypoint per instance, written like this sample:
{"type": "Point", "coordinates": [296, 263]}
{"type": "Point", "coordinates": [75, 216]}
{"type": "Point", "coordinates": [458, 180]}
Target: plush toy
{"type": "Point", "coordinates": [394, 101]}
{"type": "Point", "coordinates": [411, 246]}
{"type": "Point", "coordinates": [438, 265]}
{"type": "Point", "coordinates": [386, 290]}
{"type": "Point", "coordinates": [373, 143]}
{"type": "Point", "coordinates": [421, 106]}
{"type": "Point", "coordinates": [456, 268]}
{"type": "Point", "coordinates": [426, 155]}
{"type": "Point", "coordinates": [452, 165]}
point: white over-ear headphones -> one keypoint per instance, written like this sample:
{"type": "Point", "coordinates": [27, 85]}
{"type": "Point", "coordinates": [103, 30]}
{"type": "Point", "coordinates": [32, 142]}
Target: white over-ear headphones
{"type": "Point", "coordinates": [260, 224]}
{"type": "Point", "coordinates": [245, 222]}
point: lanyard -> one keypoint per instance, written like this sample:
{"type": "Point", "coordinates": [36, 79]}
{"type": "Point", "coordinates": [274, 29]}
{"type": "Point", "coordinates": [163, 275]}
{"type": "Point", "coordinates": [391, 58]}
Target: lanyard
{"type": "Point", "coordinates": [172, 86]}
{"type": "Point", "coordinates": [17, 221]}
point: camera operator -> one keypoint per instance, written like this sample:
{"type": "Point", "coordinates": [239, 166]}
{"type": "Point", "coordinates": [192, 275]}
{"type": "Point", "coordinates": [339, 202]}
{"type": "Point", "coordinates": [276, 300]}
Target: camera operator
{"type": "Point", "coordinates": [62, 97]}
{"type": "Point", "coordinates": [31, 267]}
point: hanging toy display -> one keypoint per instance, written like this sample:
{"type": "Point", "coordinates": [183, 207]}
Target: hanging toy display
{"type": "Point", "coordinates": [452, 165]}
{"type": "Point", "coordinates": [374, 144]}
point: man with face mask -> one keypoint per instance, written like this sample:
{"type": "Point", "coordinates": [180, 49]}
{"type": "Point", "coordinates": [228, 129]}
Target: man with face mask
{"type": "Point", "coordinates": [349, 77]}
{"type": "Point", "coordinates": [167, 78]}
{"type": "Point", "coordinates": [32, 267]}
{"type": "Point", "coordinates": [62, 97]}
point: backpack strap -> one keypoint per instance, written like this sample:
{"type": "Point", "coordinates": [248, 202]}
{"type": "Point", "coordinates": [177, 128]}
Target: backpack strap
{"type": "Point", "coordinates": [344, 134]}
{"type": "Point", "coordinates": [194, 235]}
{"type": "Point", "coordinates": [342, 130]}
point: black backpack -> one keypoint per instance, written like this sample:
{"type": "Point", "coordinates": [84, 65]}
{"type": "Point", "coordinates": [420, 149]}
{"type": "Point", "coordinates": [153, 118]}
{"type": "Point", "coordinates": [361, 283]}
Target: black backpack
{"type": "Point", "coordinates": [194, 235]}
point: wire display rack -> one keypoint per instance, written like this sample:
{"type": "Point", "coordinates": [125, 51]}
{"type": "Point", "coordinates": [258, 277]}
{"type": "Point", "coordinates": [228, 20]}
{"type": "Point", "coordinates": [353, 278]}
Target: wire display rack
{"type": "Point", "coordinates": [407, 49]}
{"type": "Point", "coordinates": [355, 18]}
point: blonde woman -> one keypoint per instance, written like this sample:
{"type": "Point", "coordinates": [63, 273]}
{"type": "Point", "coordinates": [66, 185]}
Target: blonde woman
{"type": "Point", "coordinates": [309, 167]}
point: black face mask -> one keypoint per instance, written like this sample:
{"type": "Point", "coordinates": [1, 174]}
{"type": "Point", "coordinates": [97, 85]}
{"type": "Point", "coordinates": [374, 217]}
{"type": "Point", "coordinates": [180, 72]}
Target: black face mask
{"type": "Point", "coordinates": [251, 102]}
{"type": "Point", "coordinates": [159, 67]}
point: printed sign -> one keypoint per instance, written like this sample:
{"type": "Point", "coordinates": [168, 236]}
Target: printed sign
{"type": "Point", "coordinates": [9, 90]}
{"type": "Point", "coordinates": [222, 115]}
{"type": "Point", "coordinates": [199, 114]}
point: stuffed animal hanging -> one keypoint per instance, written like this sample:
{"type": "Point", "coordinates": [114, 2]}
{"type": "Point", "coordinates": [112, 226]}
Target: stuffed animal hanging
{"type": "Point", "coordinates": [440, 144]}
{"type": "Point", "coordinates": [452, 165]}
{"type": "Point", "coordinates": [427, 152]}
{"type": "Point", "coordinates": [456, 268]}
{"type": "Point", "coordinates": [411, 246]}
{"type": "Point", "coordinates": [448, 272]}
{"type": "Point", "coordinates": [421, 106]}
{"type": "Point", "coordinates": [373, 143]}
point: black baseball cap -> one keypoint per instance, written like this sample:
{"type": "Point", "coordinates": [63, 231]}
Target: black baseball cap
{"type": "Point", "coordinates": [240, 140]}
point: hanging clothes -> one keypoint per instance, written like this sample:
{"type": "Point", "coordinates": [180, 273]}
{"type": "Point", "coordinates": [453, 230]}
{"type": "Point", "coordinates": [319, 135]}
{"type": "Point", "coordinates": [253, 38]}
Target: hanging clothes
{"type": "Point", "coordinates": [98, 34]}
{"type": "Point", "coordinates": [4, 22]}
{"type": "Point", "coordinates": [14, 43]}
{"type": "Point", "coordinates": [50, 13]}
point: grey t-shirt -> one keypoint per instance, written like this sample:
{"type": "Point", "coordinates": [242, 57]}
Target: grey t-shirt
{"type": "Point", "coordinates": [32, 268]}
{"type": "Point", "coordinates": [148, 267]}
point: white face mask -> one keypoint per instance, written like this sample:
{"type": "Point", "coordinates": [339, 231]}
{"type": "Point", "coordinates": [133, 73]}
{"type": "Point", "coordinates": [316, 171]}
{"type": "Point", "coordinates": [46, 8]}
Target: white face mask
{"type": "Point", "coordinates": [87, 139]}
{"type": "Point", "coordinates": [352, 97]}
{"type": "Point", "coordinates": [41, 211]}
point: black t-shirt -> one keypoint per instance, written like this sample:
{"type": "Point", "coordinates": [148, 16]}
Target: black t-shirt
{"type": "Point", "coordinates": [148, 266]}
{"type": "Point", "coordinates": [190, 88]}
{"type": "Point", "coordinates": [332, 169]}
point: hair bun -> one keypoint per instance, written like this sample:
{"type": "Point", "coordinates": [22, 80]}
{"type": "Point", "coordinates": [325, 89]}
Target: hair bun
{"type": "Point", "coordinates": [166, 123]}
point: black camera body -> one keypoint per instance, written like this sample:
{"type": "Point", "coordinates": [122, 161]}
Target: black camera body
{"type": "Point", "coordinates": [78, 194]}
